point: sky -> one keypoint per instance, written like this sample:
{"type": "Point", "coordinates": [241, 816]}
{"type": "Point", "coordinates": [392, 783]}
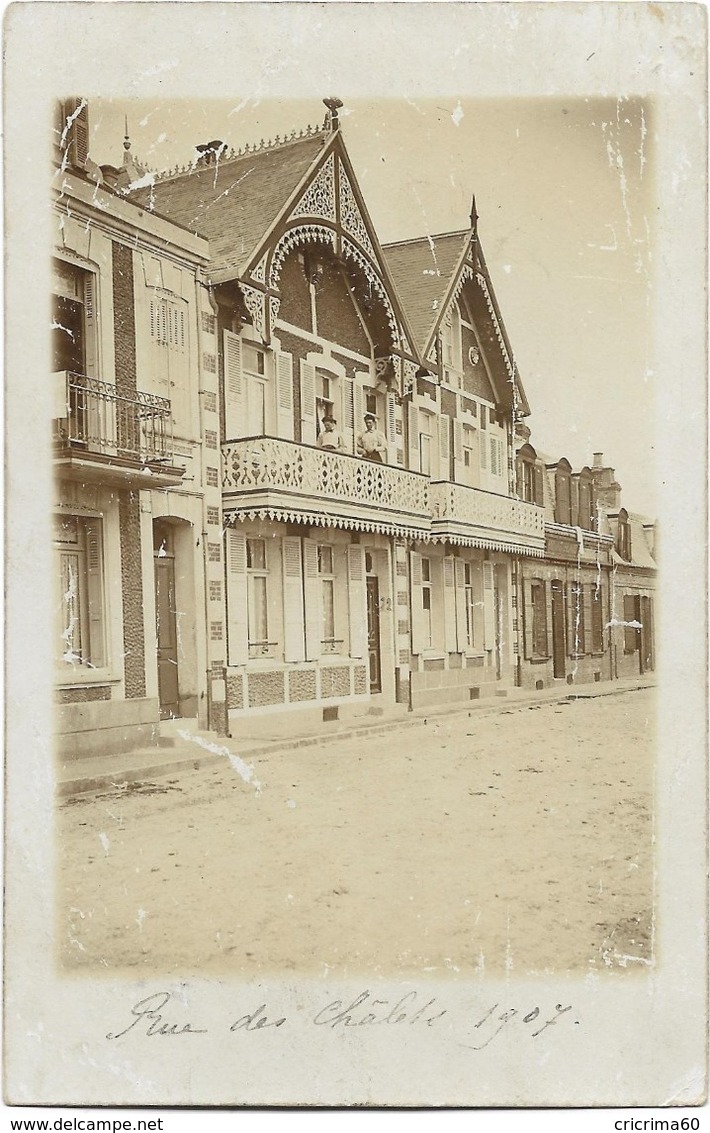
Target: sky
{"type": "Point", "coordinates": [566, 201]}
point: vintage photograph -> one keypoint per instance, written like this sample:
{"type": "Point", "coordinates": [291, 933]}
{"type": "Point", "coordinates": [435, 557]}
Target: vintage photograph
{"type": "Point", "coordinates": [356, 609]}
{"type": "Point", "coordinates": [328, 584]}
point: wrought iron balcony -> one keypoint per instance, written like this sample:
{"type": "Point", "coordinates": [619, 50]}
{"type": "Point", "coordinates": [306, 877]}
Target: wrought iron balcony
{"type": "Point", "coordinates": [271, 476]}
{"type": "Point", "coordinates": [94, 421]}
{"type": "Point", "coordinates": [492, 520]}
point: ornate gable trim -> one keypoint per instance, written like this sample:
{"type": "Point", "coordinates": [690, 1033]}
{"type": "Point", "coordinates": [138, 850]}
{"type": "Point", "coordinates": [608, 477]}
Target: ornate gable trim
{"type": "Point", "coordinates": [351, 218]}
{"type": "Point", "coordinates": [318, 201]}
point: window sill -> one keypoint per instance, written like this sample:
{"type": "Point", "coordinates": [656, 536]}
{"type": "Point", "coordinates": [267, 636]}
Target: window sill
{"type": "Point", "coordinates": [538, 659]}
{"type": "Point", "coordinates": [81, 679]}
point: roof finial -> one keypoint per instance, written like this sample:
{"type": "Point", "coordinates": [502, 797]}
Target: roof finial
{"type": "Point", "coordinates": [126, 139]}
{"type": "Point", "coordinates": [331, 119]}
{"type": "Point", "coordinates": [474, 214]}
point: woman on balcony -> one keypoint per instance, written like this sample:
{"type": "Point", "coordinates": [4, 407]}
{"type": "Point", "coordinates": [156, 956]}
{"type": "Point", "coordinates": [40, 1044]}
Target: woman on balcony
{"type": "Point", "coordinates": [372, 443]}
{"type": "Point", "coordinates": [329, 437]}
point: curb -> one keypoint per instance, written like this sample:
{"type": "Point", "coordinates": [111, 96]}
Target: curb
{"type": "Point", "coordinates": [203, 757]}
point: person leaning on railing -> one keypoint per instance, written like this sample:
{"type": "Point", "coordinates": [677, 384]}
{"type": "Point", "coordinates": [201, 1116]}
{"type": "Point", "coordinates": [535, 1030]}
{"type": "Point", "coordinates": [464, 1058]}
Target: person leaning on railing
{"type": "Point", "coordinates": [371, 443]}
{"type": "Point", "coordinates": [329, 437]}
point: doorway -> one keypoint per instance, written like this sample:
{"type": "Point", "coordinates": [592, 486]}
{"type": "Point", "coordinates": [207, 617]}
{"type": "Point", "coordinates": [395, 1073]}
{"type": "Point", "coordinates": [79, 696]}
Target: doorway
{"type": "Point", "coordinates": [558, 628]}
{"type": "Point", "coordinates": [165, 620]}
{"type": "Point", "coordinates": [373, 633]}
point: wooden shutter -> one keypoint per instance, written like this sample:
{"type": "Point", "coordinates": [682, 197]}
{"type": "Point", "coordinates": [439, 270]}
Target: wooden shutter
{"type": "Point", "coordinates": [449, 604]}
{"type": "Point", "coordinates": [357, 601]}
{"type": "Point", "coordinates": [587, 607]}
{"type": "Point", "coordinates": [489, 612]}
{"type": "Point", "coordinates": [528, 612]}
{"type": "Point", "coordinates": [482, 445]}
{"type": "Point", "coordinates": [234, 399]}
{"type": "Point", "coordinates": [413, 423]}
{"type": "Point", "coordinates": [312, 593]}
{"type": "Point", "coordinates": [358, 406]}
{"type": "Point", "coordinates": [444, 447]}
{"type": "Point", "coordinates": [461, 624]}
{"type": "Point", "coordinates": [293, 599]}
{"type": "Point", "coordinates": [237, 597]}
{"type": "Point", "coordinates": [575, 610]}
{"type": "Point", "coordinates": [284, 387]}
{"type": "Point", "coordinates": [308, 403]}
{"type": "Point", "coordinates": [419, 639]}
{"type": "Point", "coordinates": [95, 594]}
{"type": "Point", "coordinates": [539, 485]}
{"type": "Point", "coordinates": [391, 424]}
{"type": "Point", "coordinates": [349, 429]}
{"type": "Point", "coordinates": [91, 341]}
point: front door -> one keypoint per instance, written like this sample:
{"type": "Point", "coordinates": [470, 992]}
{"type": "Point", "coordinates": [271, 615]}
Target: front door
{"type": "Point", "coordinates": [558, 629]}
{"type": "Point", "coordinates": [166, 630]}
{"type": "Point", "coordinates": [373, 634]}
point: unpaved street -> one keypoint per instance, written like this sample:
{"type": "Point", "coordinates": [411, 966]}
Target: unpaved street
{"type": "Point", "coordinates": [517, 839]}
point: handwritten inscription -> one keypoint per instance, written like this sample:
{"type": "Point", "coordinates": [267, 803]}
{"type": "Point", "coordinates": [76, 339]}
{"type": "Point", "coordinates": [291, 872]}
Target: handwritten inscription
{"type": "Point", "coordinates": [147, 1016]}
{"type": "Point", "coordinates": [491, 1024]}
{"type": "Point", "coordinates": [157, 1015]}
{"type": "Point", "coordinates": [365, 1009]}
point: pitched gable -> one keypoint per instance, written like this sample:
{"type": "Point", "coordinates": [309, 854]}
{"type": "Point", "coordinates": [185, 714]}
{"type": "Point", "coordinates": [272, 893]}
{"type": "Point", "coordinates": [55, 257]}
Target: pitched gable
{"type": "Point", "coordinates": [423, 270]}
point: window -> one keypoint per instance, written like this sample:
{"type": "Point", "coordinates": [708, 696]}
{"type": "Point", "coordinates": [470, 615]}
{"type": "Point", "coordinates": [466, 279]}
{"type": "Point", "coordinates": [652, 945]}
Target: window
{"type": "Point", "coordinates": [426, 602]}
{"type": "Point", "coordinates": [469, 456]}
{"type": "Point", "coordinates": [78, 548]}
{"type": "Point", "coordinates": [484, 416]}
{"type": "Point", "coordinates": [451, 347]}
{"type": "Point", "coordinates": [470, 605]}
{"type": "Point", "coordinates": [563, 486]}
{"type": "Point", "coordinates": [73, 318]}
{"type": "Point", "coordinates": [327, 580]}
{"type": "Point", "coordinates": [257, 613]}
{"type": "Point", "coordinates": [254, 366]}
{"type": "Point", "coordinates": [539, 619]}
{"type": "Point", "coordinates": [577, 644]}
{"type": "Point", "coordinates": [624, 537]}
{"type": "Point", "coordinates": [425, 443]}
{"type": "Point", "coordinates": [597, 621]}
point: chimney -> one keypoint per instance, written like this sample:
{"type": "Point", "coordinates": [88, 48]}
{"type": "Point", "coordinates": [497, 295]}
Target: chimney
{"type": "Point", "coordinates": [598, 459]}
{"type": "Point", "coordinates": [607, 488]}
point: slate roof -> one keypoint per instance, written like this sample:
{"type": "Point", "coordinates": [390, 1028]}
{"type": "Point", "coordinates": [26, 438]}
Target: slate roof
{"type": "Point", "coordinates": [235, 202]}
{"type": "Point", "coordinates": [422, 270]}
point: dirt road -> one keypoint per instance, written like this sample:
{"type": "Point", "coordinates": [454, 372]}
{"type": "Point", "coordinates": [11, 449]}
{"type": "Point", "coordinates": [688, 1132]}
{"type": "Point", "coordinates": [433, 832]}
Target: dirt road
{"type": "Point", "coordinates": [514, 840]}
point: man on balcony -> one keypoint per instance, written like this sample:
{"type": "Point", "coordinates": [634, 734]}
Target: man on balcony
{"type": "Point", "coordinates": [329, 437]}
{"type": "Point", "coordinates": [372, 443]}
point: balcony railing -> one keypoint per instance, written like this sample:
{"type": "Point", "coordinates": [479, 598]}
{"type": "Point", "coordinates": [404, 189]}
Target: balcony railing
{"type": "Point", "coordinates": [92, 416]}
{"type": "Point", "coordinates": [269, 472]}
{"type": "Point", "coordinates": [459, 510]}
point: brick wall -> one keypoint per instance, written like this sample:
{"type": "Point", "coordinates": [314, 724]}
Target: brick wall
{"type": "Point", "coordinates": [124, 327]}
{"type": "Point", "coordinates": [296, 299]}
{"type": "Point", "coordinates": [132, 594]}
{"type": "Point", "coordinates": [337, 318]}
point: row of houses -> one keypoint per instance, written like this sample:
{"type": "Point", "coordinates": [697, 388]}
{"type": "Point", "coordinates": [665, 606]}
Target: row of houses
{"type": "Point", "coordinates": [293, 474]}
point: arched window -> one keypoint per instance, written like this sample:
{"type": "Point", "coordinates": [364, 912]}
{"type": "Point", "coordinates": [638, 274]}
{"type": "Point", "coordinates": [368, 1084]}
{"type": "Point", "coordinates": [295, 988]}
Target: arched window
{"type": "Point", "coordinates": [563, 492]}
{"type": "Point", "coordinates": [623, 538]}
{"type": "Point", "coordinates": [529, 476]}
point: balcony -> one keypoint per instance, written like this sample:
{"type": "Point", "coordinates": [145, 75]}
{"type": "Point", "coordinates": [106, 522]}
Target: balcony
{"type": "Point", "coordinates": [284, 479]}
{"type": "Point", "coordinates": [487, 519]}
{"type": "Point", "coordinates": [102, 435]}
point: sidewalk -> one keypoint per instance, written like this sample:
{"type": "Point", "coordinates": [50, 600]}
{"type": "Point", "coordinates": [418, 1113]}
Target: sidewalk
{"type": "Point", "coordinates": [200, 749]}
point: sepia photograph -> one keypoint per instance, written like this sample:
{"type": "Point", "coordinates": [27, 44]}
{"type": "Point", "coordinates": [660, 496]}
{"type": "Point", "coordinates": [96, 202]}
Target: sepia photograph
{"type": "Point", "coordinates": [351, 495]}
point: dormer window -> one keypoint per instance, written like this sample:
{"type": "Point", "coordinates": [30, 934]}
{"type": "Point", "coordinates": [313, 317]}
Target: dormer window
{"type": "Point", "coordinates": [563, 493]}
{"type": "Point", "coordinates": [623, 541]}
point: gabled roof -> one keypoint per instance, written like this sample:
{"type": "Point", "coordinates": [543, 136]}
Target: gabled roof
{"type": "Point", "coordinates": [235, 201]}
{"type": "Point", "coordinates": [423, 270]}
